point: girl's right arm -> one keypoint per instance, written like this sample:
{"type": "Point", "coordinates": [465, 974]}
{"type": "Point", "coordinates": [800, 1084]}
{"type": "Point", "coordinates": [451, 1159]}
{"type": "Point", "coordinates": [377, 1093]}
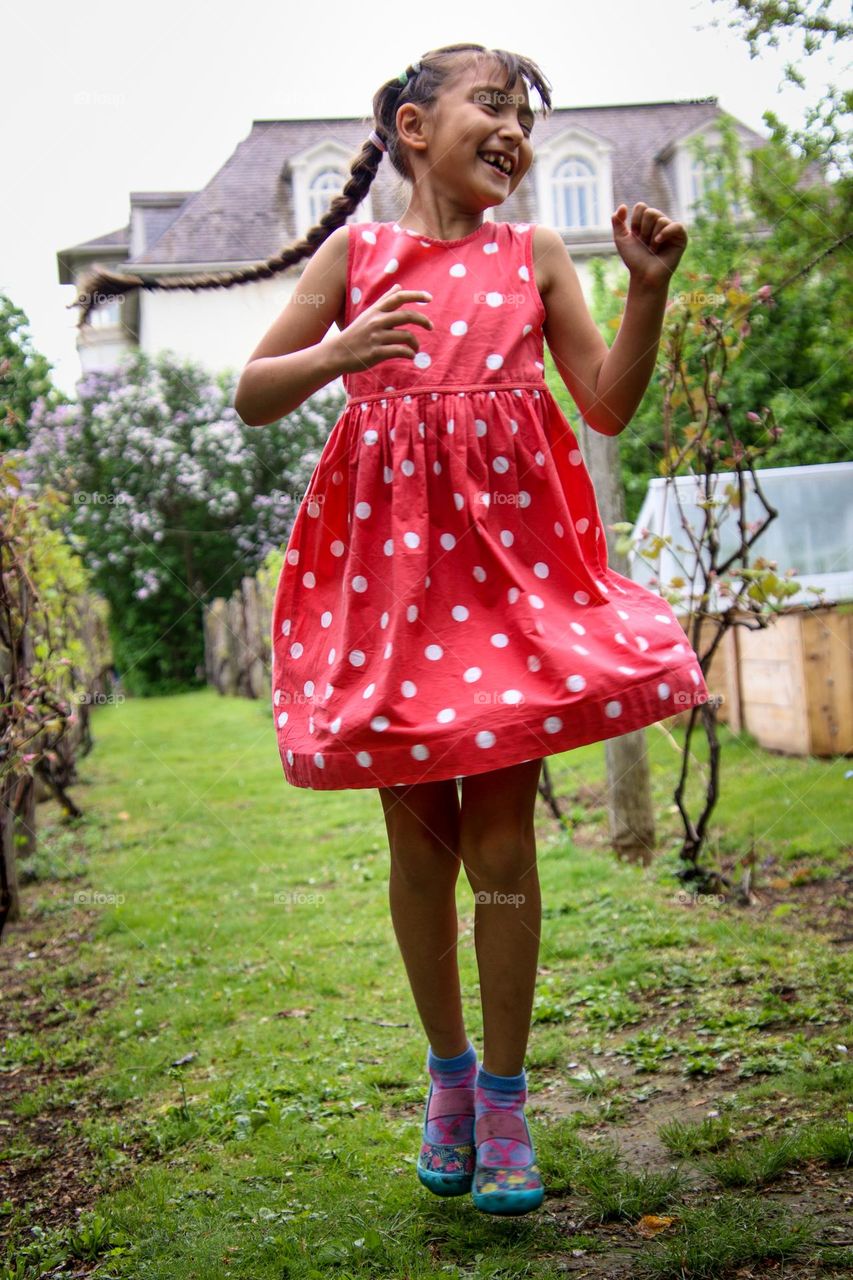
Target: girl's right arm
{"type": "Point", "coordinates": [291, 361]}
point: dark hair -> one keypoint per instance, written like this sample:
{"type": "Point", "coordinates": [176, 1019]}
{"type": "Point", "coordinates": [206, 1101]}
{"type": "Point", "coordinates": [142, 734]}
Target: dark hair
{"type": "Point", "coordinates": [424, 80]}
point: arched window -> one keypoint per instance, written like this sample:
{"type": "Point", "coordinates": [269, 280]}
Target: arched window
{"type": "Point", "coordinates": [575, 194]}
{"type": "Point", "coordinates": [701, 179]}
{"type": "Point", "coordinates": [325, 185]}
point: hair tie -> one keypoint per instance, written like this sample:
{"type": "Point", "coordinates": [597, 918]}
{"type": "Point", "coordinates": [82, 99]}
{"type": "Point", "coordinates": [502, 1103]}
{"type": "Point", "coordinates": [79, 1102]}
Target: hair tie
{"type": "Point", "coordinates": [403, 77]}
{"type": "Point", "coordinates": [374, 137]}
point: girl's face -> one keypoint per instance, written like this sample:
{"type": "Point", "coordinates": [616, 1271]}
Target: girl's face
{"type": "Point", "coordinates": [475, 116]}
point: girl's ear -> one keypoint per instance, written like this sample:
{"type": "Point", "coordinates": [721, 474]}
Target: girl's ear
{"type": "Point", "coordinates": [411, 126]}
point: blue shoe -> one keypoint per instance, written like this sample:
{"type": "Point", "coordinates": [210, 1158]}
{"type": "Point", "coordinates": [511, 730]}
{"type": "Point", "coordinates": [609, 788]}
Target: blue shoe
{"type": "Point", "coordinates": [447, 1168]}
{"type": "Point", "coordinates": [504, 1188]}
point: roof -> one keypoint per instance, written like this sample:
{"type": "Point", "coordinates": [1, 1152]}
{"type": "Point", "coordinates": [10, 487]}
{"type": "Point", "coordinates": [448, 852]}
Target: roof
{"type": "Point", "coordinates": [245, 212]}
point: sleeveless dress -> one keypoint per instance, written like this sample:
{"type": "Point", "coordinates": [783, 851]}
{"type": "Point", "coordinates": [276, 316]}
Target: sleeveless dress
{"type": "Point", "coordinates": [445, 606]}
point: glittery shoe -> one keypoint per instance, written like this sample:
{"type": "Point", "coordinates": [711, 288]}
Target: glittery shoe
{"type": "Point", "coordinates": [503, 1182]}
{"type": "Point", "coordinates": [447, 1167]}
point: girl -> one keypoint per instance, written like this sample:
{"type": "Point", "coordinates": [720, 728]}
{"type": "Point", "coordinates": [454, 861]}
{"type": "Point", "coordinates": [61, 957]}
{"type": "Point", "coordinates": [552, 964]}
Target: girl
{"type": "Point", "coordinates": [445, 611]}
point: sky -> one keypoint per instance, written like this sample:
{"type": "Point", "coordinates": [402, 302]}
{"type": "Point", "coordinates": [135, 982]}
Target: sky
{"type": "Point", "coordinates": [100, 99]}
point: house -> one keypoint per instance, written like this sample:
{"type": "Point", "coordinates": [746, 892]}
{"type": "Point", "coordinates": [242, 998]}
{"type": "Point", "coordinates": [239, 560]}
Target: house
{"type": "Point", "coordinates": [281, 177]}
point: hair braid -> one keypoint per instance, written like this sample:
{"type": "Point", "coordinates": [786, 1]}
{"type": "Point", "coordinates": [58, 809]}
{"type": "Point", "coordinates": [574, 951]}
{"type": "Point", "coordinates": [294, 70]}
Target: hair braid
{"type": "Point", "coordinates": [423, 81]}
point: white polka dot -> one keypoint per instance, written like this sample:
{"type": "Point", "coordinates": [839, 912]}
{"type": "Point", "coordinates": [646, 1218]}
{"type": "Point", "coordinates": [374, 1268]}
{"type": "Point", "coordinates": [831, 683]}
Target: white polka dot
{"type": "Point", "coordinates": [678, 647]}
{"type": "Point", "coordinates": [499, 640]}
{"type": "Point", "coordinates": [458, 501]}
{"type": "Point", "coordinates": [359, 583]}
{"type": "Point", "coordinates": [277, 697]}
{"type": "Point", "coordinates": [662, 617]}
{"type": "Point", "coordinates": [575, 457]}
{"type": "Point", "coordinates": [479, 573]}
{"type": "Point", "coordinates": [379, 724]}
{"type": "Point", "coordinates": [313, 508]}
{"type": "Point", "coordinates": [408, 689]}
{"type": "Point", "coordinates": [575, 683]}
{"type": "Point", "coordinates": [663, 689]}
{"type": "Point", "coordinates": [494, 299]}
{"type": "Point", "coordinates": [412, 539]}
{"type": "Point", "coordinates": [318, 759]}
{"type": "Point", "coordinates": [388, 546]}
{"type": "Point", "coordinates": [458, 328]}
{"type": "Point", "coordinates": [541, 569]}
{"type": "Point", "coordinates": [433, 652]}
{"type": "Point", "coordinates": [480, 426]}
{"type": "Point", "coordinates": [513, 594]}
{"type": "Point", "coordinates": [623, 614]}
{"type": "Point", "coordinates": [364, 758]}
{"type": "Point", "coordinates": [331, 657]}
{"type": "Point", "coordinates": [335, 724]}
{"type": "Point", "coordinates": [407, 467]}
{"type": "Point", "coordinates": [412, 613]}
{"type": "Point", "coordinates": [694, 675]}
{"type": "Point", "coordinates": [471, 675]}
{"type": "Point", "coordinates": [356, 657]}
{"type": "Point", "coordinates": [485, 738]}
{"type": "Point", "coordinates": [459, 613]}
{"type": "Point", "coordinates": [527, 329]}
{"type": "Point", "coordinates": [524, 498]}
{"type": "Point", "coordinates": [512, 696]}
{"type": "Point", "coordinates": [422, 360]}
{"type": "Point", "coordinates": [536, 601]}
{"type": "Point", "coordinates": [369, 437]}
{"type": "Point", "coordinates": [447, 541]}
{"type": "Point", "coordinates": [552, 724]}
{"type": "Point", "coordinates": [337, 548]}
{"type": "Point", "coordinates": [388, 649]}
{"type": "Point", "coordinates": [507, 537]}
{"type": "Point", "coordinates": [524, 273]}
{"type": "Point", "coordinates": [581, 597]}
{"type": "Point", "coordinates": [369, 236]}
{"type": "Point", "coordinates": [362, 510]}
{"type": "Point", "coordinates": [369, 690]}
{"type": "Point", "coordinates": [282, 719]}
{"type": "Point", "coordinates": [355, 294]}
{"type": "Point", "coordinates": [539, 458]}
{"type": "Point", "coordinates": [325, 619]}
{"type": "Point", "coordinates": [642, 643]}
{"type": "Point", "coordinates": [494, 361]}
{"type": "Point", "coordinates": [308, 579]}
{"type": "Point", "coordinates": [296, 649]}
{"type": "Point", "coordinates": [420, 752]}
{"type": "Point", "coordinates": [534, 663]}
{"type": "Point", "coordinates": [500, 465]}
{"type": "Point", "coordinates": [451, 426]}
{"type": "Point", "coordinates": [613, 708]}
{"type": "Point", "coordinates": [293, 557]}
{"type": "Point", "coordinates": [578, 648]}
{"type": "Point", "coordinates": [446, 715]}
{"type": "Point", "coordinates": [436, 466]}
{"type": "Point", "coordinates": [457, 269]}
{"type": "Point", "coordinates": [383, 621]}
{"type": "Point", "coordinates": [578, 628]}
{"type": "Point", "coordinates": [628, 671]}
{"type": "Point", "coordinates": [285, 627]}
{"type": "Point", "coordinates": [582, 525]}
{"type": "Point", "coordinates": [619, 638]}
{"type": "Point", "coordinates": [491, 247]}
{"type": "Point", "coordinates": [391, 265]}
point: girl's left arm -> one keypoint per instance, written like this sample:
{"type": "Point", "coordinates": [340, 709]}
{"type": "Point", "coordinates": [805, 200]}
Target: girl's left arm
{"type": "Point", "coordinates": [608, 385]}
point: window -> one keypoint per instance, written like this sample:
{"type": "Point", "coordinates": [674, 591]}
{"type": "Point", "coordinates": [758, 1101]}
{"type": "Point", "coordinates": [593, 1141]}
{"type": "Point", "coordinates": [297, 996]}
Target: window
{"type": "Point", "coordinates": [106, 315]}
{"type": "Point", "coordinates": [575, 194]}
{"type": "Point", "coordinates": [701, 180]}
{"type": "Point", "coordinates": [325, 185]}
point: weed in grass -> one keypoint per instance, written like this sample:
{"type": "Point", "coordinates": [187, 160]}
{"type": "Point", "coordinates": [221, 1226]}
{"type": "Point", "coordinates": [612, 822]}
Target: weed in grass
{"type": "Point", "coordinates": [711, 1241]}
{"type": "Point", "coordinates": [756, 1163]}
{"type": "Point", "coordinates": [647, 1049]}
{"type": "Point", "coordinates": [831, 1143]}
{"type": "Point", "coordinates": [689, 1139]}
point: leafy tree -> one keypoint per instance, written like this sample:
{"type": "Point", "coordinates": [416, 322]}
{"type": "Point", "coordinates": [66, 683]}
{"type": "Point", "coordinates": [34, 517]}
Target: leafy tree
{"type": "Point", "coordinates": [24, 377]}
{"type": "Point", "coordinates": [175, 499]}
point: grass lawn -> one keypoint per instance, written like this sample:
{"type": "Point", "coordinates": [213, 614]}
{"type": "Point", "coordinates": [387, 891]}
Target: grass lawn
{"type": "Point", "coordinates": [213, 1066]}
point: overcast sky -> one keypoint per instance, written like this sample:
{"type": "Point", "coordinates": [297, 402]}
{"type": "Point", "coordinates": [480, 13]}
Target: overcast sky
{"type": "Point", "coordinates": [100, 99]}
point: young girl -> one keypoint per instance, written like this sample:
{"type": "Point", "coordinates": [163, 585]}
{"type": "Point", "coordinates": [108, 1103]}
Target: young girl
{"type": "Point", "coordinates": [445, 610]}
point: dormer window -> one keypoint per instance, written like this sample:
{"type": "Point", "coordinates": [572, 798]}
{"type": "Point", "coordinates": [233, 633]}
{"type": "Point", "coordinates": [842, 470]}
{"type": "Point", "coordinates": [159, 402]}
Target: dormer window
{"type": "Point", "coordinates": [575, 194]}
{"type": "Point", "coordinates": [318, 175]}
{"type": "Point", "coordinates": [574, 186]}
{"type": "Point", "coordinates": [325, 185]}
{"type": "Point", "coordinates": [695, 171]}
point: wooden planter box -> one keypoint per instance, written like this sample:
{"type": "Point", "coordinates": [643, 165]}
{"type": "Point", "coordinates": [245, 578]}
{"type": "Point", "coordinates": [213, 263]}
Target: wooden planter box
{"type": "Point", "coordinates": [789, 684]}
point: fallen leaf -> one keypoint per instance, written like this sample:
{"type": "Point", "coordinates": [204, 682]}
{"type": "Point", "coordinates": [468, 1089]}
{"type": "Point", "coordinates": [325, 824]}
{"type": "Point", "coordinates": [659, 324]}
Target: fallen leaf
{"type": "Point", "coordinates": [293, 1013]}
{"type": "Point", "coordinates": [650, 1224]}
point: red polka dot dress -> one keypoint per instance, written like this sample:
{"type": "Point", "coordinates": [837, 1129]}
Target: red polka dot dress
{"type": "Point", "coordinates": [445, 606]}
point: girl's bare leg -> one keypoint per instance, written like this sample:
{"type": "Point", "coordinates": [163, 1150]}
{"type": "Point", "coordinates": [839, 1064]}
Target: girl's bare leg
{"type": "Point", "coordinates": [422, 822]}
{"type": "Point", "coordinates": [498, 849]}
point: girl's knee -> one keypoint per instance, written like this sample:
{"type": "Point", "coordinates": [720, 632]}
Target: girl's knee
{"type": "Point", "coordinates": [423, 859]}
{"type": "Point", "coordinates": [498, 857]}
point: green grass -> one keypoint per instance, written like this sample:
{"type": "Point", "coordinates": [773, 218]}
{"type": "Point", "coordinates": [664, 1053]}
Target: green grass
{"type": "Point", "coordinates": [241, 929]}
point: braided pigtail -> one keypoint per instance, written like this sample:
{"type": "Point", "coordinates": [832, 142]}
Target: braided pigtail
{"type": "Point", "coordinates": [420, 83]}
{"type": "Point", "coordinates": [101, 284]}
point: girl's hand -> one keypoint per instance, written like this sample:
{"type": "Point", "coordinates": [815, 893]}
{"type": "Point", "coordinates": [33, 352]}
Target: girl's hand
{"type": "Point", "coordinates": [652, 246]}
{"type": "Point", "coordinates": [373, 335]}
